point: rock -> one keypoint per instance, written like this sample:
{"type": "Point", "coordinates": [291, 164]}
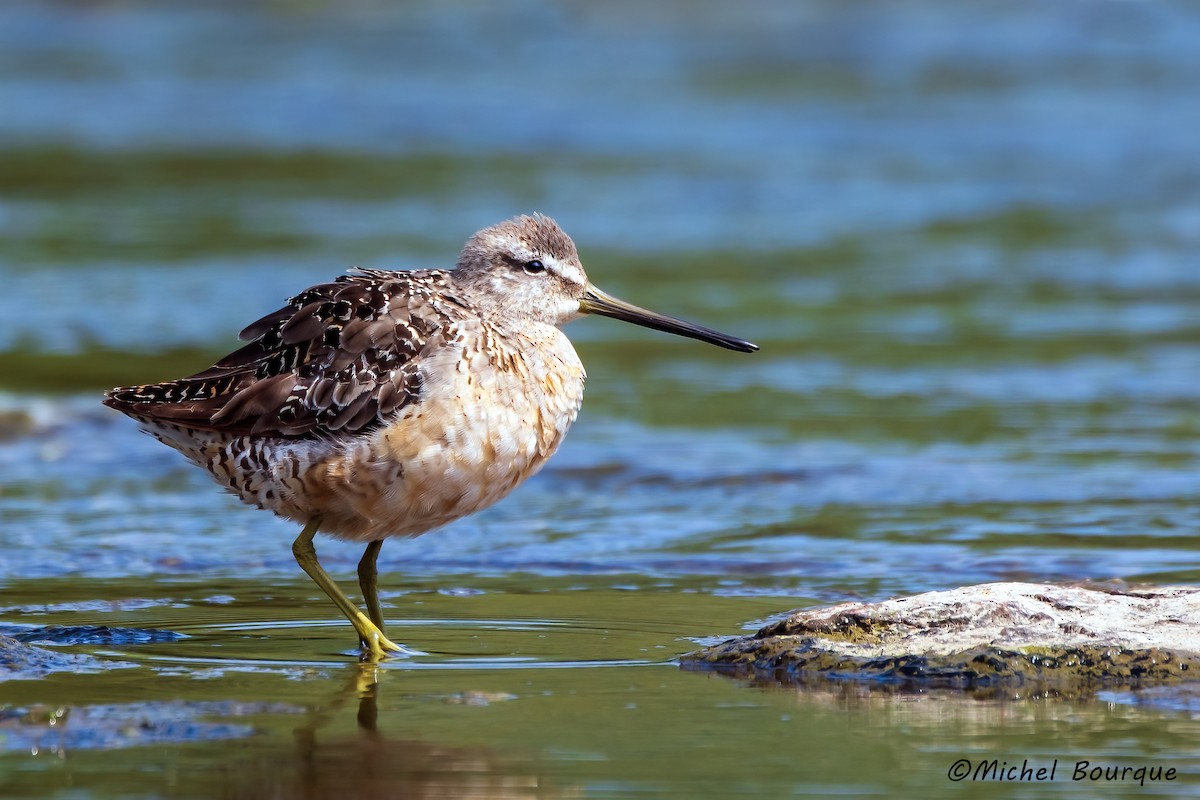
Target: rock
{"type": "Point", "coordinates": [1003, 637]}
{"type": "Point", "coordinates": [21, 661]}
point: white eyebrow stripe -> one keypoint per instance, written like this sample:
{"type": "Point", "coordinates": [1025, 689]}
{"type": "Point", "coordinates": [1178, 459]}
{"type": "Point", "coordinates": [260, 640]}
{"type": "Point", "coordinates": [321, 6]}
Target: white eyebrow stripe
{"type": "Point", "coordinates": [571, 272]}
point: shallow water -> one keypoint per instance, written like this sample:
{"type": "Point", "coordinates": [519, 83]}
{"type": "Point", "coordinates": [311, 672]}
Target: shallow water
{"type": "Point", "coordinates": [964, 237]}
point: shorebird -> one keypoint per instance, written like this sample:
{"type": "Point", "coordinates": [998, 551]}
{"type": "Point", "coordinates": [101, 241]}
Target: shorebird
{"type": "Point", "coordinates": [389, 403]}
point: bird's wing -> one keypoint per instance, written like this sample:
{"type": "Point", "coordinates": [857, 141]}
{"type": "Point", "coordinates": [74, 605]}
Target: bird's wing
{"type": "Point", "coordinates": [341, 356]}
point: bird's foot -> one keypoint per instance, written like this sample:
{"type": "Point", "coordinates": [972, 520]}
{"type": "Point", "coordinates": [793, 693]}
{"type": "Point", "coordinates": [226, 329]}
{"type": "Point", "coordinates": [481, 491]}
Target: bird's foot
{"type": "Point", "coordinates": [375, 646]}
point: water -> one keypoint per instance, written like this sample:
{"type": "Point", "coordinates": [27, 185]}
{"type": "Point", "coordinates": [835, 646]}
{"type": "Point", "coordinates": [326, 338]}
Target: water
{"type": "Point", "coordinates": [964, 236]}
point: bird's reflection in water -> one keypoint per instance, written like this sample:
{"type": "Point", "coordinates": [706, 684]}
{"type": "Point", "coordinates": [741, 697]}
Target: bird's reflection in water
{"type": "Point", "coordinates": [369, 764]}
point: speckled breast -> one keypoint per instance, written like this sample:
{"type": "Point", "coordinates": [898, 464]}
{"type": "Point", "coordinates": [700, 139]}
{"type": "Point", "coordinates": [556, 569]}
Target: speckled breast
{"type": "Point", "coordinates": [492, 410]}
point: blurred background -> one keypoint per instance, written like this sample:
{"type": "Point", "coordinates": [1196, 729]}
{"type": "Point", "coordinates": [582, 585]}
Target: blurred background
{"type": "Point", "coordinates": [965, 236]}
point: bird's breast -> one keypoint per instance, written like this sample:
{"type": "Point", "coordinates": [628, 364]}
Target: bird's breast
{"type": "Point", "coordinates": [490, 414]}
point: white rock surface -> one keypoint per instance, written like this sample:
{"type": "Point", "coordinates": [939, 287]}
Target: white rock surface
{"type": "Point", "coordinates": [999, 637]}
{"type": "Point", "coordinates": [1017, 616]}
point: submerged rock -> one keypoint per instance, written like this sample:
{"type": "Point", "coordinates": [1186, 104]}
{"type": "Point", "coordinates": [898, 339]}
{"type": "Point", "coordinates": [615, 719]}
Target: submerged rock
{"type": "Point", "coordinates": [21, 661]}
{"type": "Point", "coordinates": [42, 728]}
{"type": "Point", "coordinates": [94, 634]}
{"type": "Point", "coordinates": [1003, 636]}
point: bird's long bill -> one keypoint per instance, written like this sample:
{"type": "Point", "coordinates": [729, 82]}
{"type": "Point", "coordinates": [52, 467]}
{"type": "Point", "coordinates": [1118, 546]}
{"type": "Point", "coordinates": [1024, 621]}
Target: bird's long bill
{"type": "Point", "coordinates": [597, 302]}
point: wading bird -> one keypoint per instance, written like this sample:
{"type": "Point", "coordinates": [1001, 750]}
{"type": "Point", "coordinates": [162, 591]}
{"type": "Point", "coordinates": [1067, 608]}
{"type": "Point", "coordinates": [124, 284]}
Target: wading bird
{"type": "Point", "coordinates": [391, 403]}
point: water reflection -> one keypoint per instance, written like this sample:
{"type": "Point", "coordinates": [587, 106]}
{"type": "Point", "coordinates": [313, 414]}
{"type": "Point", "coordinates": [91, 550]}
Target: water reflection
{"type": "Point", "coordinates": [373, 761]}
{"type": "Point", "coordinates": [323, 759]}
{"type": "Point", "coordinates": [842, 690]}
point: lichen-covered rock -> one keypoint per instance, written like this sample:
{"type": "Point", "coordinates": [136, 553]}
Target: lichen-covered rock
{"type": "Point", "coordinates": [998, 635]}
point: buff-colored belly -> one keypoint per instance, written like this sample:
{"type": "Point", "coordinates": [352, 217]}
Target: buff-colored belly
{"type": "Point", "coordinates": [476, 434]}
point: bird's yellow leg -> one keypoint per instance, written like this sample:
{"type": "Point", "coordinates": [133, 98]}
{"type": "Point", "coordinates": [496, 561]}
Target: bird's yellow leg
{"type": "Point", "coordinates": [367, 574]}
{"type": "Point", "coordinates": [369, 634]}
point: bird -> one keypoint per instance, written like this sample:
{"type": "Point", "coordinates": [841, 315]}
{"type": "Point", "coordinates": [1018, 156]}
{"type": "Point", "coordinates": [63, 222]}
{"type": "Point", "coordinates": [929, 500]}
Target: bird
{"type": "Point", "coordinates": [390, 403]}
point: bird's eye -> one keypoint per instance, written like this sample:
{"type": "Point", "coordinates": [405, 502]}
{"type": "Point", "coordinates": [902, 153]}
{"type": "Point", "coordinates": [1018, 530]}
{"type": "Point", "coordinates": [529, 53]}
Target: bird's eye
{"type": "Point", "coordinates": [533, 267]}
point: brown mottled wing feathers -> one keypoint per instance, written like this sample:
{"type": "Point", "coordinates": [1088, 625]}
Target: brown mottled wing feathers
{"type": "Point", "coordinates": [340, 357]}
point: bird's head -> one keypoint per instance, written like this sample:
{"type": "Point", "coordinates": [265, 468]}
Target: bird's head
{"type": "Point", "coordinates": [526, 269]}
